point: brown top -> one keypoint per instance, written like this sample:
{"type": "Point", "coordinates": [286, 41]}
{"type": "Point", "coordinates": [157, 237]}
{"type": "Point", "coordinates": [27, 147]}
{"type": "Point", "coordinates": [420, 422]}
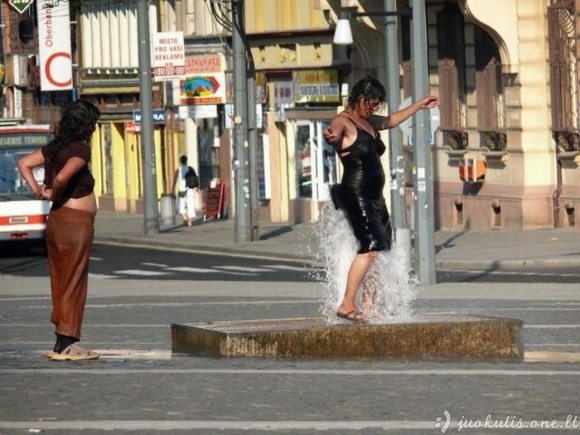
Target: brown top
{"type": "Point", "coordinates": [82, 183]}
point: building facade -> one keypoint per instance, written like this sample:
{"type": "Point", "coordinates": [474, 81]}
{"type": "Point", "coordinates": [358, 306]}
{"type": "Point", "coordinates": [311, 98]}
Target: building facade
{"type": "Point", "coordinates": [506, 74]}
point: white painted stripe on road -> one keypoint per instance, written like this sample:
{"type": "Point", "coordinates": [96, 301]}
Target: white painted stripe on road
{"type": "Point", "coordinates": [138, 272]}
{"type": "Point", "coordinates": [198, 270]}
{"type": "Point", "coordinates": [461, 310]}
{"type": "Point", "coordinates": [190, 269]}
{"type": "Point", "coordinates": [293, 268]}
{"type": "Point", "coordinates": [183, 304]}
{"type": "Point", "coordinates": [101, 276]}
{"type": "Point", "coordinates": [476, 371]}
{"type": "Point", "coordinates": [194, 425]}
{"type": "Point", "coordinates": [242, 269]}
{"type": "Point", "coordinates": [508, 273]}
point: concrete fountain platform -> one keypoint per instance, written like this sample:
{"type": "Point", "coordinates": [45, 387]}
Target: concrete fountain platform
{"type": "Point", "coordinates": [424, 338]}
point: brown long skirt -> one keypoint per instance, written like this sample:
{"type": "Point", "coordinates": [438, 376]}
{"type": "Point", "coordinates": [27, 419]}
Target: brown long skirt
{"type": "Point", "coordinates": [69, 238]}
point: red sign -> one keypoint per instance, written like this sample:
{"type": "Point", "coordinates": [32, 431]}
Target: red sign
{"type": "Point", "coordinates": [132, 128]}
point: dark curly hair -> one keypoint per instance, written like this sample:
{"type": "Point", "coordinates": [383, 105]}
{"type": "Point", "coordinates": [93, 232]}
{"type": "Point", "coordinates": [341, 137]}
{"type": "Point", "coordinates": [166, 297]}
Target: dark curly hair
{"type": "Point", "coordinates": [367, 89]}
{"type": "Point", "coordinates": [77, 124]}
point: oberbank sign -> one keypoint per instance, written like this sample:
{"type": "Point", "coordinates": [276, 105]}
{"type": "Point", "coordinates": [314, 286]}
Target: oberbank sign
{"type": "Point", "coordinates": [54, 45]}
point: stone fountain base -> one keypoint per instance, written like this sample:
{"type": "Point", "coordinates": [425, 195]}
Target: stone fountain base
{"type": "Point", "coordinates": [424, 338]}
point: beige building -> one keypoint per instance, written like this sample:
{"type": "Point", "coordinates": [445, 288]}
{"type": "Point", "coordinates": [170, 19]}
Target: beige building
{"type": "Point", "coordinates": [506, 74]}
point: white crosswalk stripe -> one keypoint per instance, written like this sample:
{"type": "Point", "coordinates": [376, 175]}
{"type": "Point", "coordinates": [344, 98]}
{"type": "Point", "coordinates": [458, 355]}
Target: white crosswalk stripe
{"type": "Point", "coordinates": [163, 269]}
{"type": "Point", "coordinates": [242, 269]}
{"type": "Point", "coordinates": [139, 272]}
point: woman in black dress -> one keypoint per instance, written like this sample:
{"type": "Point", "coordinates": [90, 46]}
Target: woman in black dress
{"type": "Point", "coordinates": [354, 135]}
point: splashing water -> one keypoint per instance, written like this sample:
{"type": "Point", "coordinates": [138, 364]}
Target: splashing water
{"type": "Point", "coordinates": [388, 276]}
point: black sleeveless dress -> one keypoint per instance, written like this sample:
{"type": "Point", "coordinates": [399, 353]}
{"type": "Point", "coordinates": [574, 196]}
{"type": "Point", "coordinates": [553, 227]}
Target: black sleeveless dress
{"type": "Point", "coordinates": [360, 192]}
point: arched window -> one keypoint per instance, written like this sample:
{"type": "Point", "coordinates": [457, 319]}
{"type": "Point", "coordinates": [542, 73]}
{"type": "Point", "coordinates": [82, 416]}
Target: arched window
{"type": "Point", "coordinates": [564, 74]}
{"type": "Point", "coordinates": [451, 69]}
{"type": "Point", "coordinates": [489, 86]}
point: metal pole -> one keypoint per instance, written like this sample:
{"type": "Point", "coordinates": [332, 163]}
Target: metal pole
{"type": "Point", "coordinates": [253, 154]}
{"type": "Point", "coordinates": [242, 228]}
{"type": "Point", "coordinates": [398, 211]}
{"type": "Point", "coordinates": [150, 200]}
{"type": "Point", "coordinates": [423, 184]}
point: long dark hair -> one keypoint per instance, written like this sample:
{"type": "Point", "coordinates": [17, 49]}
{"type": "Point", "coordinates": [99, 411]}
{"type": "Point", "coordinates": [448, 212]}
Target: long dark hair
{"type": "Point", "coordinates": [76, 125]}
{"type": "Point", "coordinates": [368, 89]}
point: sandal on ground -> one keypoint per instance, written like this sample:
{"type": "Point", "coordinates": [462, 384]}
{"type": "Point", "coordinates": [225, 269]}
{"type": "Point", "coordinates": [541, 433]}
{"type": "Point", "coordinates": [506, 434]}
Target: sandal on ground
{"type": "Point", "coordinates": [74, 352]}
{"type": "Point", "coordinates": [353, 315]}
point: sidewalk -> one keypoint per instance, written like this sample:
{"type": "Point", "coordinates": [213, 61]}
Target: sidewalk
{"type": "Point", "coordinates": [490, 249]}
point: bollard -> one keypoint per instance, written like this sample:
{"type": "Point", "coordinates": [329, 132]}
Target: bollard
{"type": "Point", "coordinates": [167, 210]}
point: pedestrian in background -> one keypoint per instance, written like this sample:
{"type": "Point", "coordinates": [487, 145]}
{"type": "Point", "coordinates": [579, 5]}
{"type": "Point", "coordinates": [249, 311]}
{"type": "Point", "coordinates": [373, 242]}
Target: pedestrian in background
{"type": "Point", "coordinates": [354, 133]}
{"type": "Point", "coordinates": [187, 182]}
{"type": "Point", "coordinates": [69, 184]}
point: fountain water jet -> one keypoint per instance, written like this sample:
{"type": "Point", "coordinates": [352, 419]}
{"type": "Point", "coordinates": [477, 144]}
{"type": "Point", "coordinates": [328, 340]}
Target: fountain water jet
{"type": "Point", "coordinates": [389, 276]}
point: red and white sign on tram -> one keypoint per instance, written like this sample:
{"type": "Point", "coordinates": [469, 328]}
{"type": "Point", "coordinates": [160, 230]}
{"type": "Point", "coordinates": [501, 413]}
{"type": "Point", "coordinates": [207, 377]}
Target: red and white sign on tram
{"type": "Point", "coordinates": [54, 45]}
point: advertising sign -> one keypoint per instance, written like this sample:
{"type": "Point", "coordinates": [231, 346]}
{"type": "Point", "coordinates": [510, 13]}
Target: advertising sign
{"type": "Point", "coordinates": [168, 56]}
{"type": "Point", "coordinates": [283, 99]}
{"type": "Point", "coordinates": [158, 116]}
{"type": "Point", "coordinates": [54, 45]}
{"type": "Point", "coordinates": [204, 82]}
{"type": "Point", "coordinates": [316, 86]}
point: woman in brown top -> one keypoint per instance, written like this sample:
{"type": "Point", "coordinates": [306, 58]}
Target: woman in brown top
{"type": "Point", "coordinates": [354, 134]}
{"type": "Point", "coordinates": [68, 183]}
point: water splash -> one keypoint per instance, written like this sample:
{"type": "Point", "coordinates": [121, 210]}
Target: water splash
{"type": "Point", "coordinates": [389, 274]}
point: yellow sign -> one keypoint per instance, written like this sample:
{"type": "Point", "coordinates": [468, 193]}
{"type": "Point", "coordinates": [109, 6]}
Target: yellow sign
{"type": "Point", "coordinates": [316, 86]}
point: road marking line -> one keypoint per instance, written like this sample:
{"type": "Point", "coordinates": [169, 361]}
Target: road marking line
{"type": "Point", "coordinates": [242, 269]}
{"type": "Point", "coordinates": [507, 272]}
{"type": "Point", "coordinates": [307, 269]}
{"type": "Point", "coordinates": [194, 425]}
{"type": "Point", "coordinates": [181, 304]}
{"type": "Point", "coordinates": [206, 270]}
{"type": "Point", "coordinates": [101, 276]}
{"type": "Point", "coordinates": [476, 371]}
{"type": "Point", "coordinates": [139, 272]}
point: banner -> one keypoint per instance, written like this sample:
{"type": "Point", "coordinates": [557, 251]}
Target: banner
{"type": "Point", "coordinates": [54, 48]}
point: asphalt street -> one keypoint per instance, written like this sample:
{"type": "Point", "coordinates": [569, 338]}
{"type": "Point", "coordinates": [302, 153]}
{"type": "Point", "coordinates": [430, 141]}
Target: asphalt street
{"type": "Point", "coordinates": [138, 386]}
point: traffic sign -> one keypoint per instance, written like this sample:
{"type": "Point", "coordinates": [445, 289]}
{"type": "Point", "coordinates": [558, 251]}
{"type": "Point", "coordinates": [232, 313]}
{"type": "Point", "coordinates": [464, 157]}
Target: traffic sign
{"type": "Point", "coordinates": [20, 5]}
{"type": "Point", "coordinates": [407, 124]}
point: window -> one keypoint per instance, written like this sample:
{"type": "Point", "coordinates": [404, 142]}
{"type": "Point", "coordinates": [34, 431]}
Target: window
{"type": "Point", "coordinates": [563, 74]}
{"type": "Point", "coordinates": [490, 101]}
{"type": "Point", "coordinates": [316, 161]}
{"type": "Point", "coordinates": [451, 69]}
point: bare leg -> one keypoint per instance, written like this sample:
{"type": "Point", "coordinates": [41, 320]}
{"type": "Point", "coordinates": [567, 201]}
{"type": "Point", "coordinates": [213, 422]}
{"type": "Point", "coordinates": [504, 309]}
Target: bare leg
{"type": "Point", "coordinates": [369, 296]}
{"type": "Point", "coordinates": [358, 269]}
